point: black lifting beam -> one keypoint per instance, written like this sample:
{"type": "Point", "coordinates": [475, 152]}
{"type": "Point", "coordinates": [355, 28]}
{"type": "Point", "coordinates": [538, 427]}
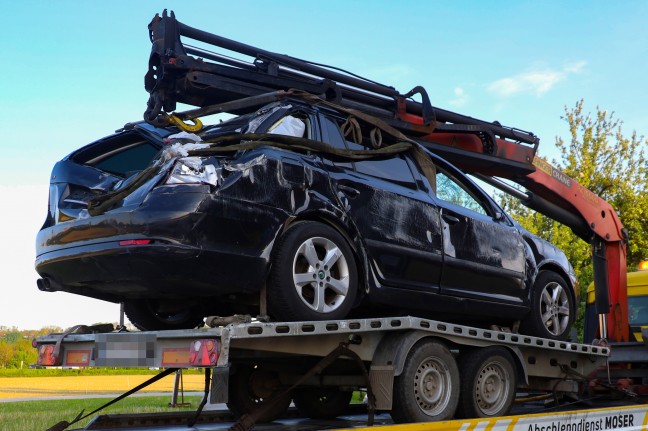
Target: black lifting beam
{"type": "Point", "coordinates": [183, 73]}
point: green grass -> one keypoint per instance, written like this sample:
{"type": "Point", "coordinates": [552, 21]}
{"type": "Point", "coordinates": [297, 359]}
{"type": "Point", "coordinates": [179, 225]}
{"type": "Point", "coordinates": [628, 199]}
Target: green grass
{"type": "Point", "coordinates": [40, 415]}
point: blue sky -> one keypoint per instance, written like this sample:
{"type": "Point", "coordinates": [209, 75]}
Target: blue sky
{"type": "Point", "coordinates": [73, 72]}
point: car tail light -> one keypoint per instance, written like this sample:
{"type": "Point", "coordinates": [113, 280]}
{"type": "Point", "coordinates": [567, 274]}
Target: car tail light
{"type": "Point", "coordinates": [135, 242]}
{"type": "Point", "coordinates": [46, 355]}
{"type": "Point", "coordinates": [191, 170]}
{"type": "Point", "coordinates": [204, 353]}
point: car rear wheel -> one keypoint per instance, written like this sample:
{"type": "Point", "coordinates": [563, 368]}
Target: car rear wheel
{"type": "Point", "coordinates": [552, 308]}
{"type": "Point", "coordinates": [151, 315]}
{"type": "Point", "coordinates": [314, 274]}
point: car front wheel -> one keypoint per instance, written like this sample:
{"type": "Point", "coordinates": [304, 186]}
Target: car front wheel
{"type": "Point", "coordinates": [314, 274]}
{"type": "Point", "coordinates": [552, 308]}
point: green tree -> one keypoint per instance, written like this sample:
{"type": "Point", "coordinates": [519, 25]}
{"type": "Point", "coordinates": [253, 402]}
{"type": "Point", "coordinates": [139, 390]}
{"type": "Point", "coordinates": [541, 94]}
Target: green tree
{"type": "Point", "coordinates": [23, 354]}
{"type": "Point", "coordinates": [6, 353]}
{"type": "Point", "coordinates": [601, 158]}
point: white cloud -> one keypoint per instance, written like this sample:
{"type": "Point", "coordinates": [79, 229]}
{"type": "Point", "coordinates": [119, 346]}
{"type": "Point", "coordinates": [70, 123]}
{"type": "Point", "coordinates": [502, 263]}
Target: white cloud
{"type": "Point", "coordinates": [536, 82]}
{"type": "Point", "coordinates": [461, 97]}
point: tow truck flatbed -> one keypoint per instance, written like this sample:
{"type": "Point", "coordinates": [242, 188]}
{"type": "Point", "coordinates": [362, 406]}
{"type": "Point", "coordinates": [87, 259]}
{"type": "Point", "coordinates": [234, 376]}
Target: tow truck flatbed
{"type": "Point", "coordinates": [294, 355]}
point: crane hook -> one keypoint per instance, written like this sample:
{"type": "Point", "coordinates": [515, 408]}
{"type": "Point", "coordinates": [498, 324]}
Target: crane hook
{"type": "Point", "coordinates": [176, 121]}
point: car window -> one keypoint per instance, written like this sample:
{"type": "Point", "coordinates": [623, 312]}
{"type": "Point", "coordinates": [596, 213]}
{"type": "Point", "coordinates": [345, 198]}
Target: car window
{"type": "Point", "coordinates": [332, 136]}
{"type": "Point", "coordinates": [394, 169]}
{"type": "Point", "coordinates": [449, 189]}
{"type": "Point", "coordinates": [638, 310]}
{"type": "Point", "coordinates": [126, 160]}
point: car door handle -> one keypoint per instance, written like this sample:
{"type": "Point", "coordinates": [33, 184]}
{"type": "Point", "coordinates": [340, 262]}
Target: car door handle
{"type": "Point", "coordinates": [349, 191]}
{"type": "Point", "coordinates": [450, 219]}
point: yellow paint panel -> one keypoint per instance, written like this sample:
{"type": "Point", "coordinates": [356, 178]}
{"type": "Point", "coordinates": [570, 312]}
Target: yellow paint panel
{"type": "Point", "coordinates": [615, 418]}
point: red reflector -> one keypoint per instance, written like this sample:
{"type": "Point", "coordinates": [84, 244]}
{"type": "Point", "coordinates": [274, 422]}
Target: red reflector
{"type": "Point", "coordinates": [135, 242]}
{"type": "Point", "coordinates": [204, 353]}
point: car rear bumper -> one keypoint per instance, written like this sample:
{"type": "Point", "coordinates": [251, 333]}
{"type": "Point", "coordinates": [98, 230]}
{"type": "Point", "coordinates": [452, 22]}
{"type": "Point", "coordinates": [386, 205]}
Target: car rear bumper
{"type": "Point", "coordinates": [111, 271]}
{"type": "Point", "coordinates": [198, 251]}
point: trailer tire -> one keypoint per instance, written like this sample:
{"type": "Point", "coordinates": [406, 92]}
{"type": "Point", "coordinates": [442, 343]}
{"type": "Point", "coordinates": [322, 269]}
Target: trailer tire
{"type": "Point", "coordinates": [321, 403]}
{"type": "Point", "coordinates": [488, 382]}
{"type": "Point", "coordinates": [428, 388]}
{"type": "Point", "coordinates": [251, 388]}
{"type": "Point", "coordinates": [314, 274]}
{"type": "Point", "coordinates": [552, 308]}
{"type": "Point", "coordinates": [145, 315]}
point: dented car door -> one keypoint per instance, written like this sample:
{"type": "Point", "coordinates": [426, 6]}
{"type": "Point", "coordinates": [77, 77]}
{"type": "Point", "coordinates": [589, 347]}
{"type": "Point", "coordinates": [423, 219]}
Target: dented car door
{"type": "Point", "coordinates": [484, 254]}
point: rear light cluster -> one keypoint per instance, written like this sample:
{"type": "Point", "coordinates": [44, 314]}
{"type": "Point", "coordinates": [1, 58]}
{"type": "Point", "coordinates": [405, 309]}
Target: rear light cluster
{"type": "Point", "coordinates": [200, 353]}
{"type": "Point", "coordinates": [191, 170]}
{"type": "Point", "coordinates": [204, 353]}
{"type": "Point", "coordinates": [46, 355]}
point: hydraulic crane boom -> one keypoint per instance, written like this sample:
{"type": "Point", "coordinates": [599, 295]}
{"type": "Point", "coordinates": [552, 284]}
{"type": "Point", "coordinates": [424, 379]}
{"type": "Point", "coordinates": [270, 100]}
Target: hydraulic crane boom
{"type": "Point", "coordinates": [215, 82]}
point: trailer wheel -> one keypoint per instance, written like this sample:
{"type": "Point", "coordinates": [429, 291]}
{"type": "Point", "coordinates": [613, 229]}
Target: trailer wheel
{"type": "Point", "coordinates": [321, 403]}
{"type": "Point", "coordinates": [150, 315]}
{"type": "Point", "coordinates": [251, 388]}
{"type": "Point", "coordinates": [314, 274]}
{"type": "Point", "coordinates": [488, 382]}
{"type": "Point", "coordinates": [552, 308]}
{"type": "Point", "coordinates": [428, 388]}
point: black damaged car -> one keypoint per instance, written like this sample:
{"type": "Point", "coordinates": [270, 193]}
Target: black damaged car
{"type": "Point", "coordinates": [280, 207]}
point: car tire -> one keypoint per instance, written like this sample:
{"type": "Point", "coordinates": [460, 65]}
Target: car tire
{"type": "Point", "coordinates": [321, 403]}
{"type": "Point", "coordinates": [251, 388]}
{"type": "Point", "coordinates": [314, 275]}
{"type": "Point", "coordinates": [552, 308]}
{"type": "Point", "coordinates": [488, 383]}
{"type": "Point", "coordinates": [428, 388]}
{"type": "Point", "coordinates": [145, 315]}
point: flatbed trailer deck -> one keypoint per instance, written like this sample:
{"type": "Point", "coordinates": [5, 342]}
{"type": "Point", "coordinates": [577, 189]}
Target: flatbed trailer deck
{"type": "Point", "coordinates": [266, 361]}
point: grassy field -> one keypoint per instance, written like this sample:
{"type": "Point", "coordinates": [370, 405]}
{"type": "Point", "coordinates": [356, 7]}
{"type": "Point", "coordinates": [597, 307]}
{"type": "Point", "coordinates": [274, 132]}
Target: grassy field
{"type": "Point", "coordinates": [81, 385]}
{"type": "Point", "coordinates": [40, 415]}
{"type": "Point", "coordinates": [56, 372]}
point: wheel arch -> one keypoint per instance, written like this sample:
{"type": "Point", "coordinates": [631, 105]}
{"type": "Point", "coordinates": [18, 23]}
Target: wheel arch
{"type": "Point", "coordinates": [348, 233]}
{"type": "Point", "coordinates": [394, 348]}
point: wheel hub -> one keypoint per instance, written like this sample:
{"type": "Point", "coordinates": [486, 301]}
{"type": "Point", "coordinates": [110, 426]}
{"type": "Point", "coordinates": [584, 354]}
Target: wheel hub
{"type": "Point", "coordinates": [554, 308]}
{"type": "Point", "coordinates": [491, 389]}
{"type": "Point", "coordinates": [431, 393]}
{"type": "Point", "coordinates": [321, 275]}
{"type": "Point", "coordinates": [431, 387]}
